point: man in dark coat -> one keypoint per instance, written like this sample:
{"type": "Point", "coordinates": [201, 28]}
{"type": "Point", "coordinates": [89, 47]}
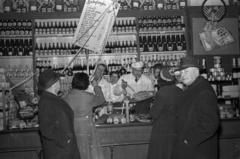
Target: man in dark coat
{"type": "Point", "coordinates": [196, 116]}
{"type": "Point", "coordinates": [56, 120]}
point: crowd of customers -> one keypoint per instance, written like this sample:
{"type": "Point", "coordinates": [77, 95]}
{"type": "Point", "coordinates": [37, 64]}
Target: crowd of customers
{"type": "Point", "coordinates": [184, 111]}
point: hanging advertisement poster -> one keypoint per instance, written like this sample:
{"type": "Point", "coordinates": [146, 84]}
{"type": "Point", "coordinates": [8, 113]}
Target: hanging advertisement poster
{"type": "Point", "coordinates": [95, 24]}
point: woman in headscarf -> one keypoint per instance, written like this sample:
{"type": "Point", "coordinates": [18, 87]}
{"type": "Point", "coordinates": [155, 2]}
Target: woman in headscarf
{"type": "Point", "coordinates": [161, 141]}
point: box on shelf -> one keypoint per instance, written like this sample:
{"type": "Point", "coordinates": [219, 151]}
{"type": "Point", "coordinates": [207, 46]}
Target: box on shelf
{"type": "Point", "coordinates": [230, 88]}
{"type": "Point", "coordinates": [230, 94]}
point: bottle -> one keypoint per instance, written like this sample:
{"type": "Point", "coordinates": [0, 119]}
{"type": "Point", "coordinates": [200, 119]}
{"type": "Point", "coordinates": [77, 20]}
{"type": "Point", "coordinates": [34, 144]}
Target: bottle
{"type": "Point", "coordinates": [182, 4]}
{"type": "Point", "coordinates": [234, 70]}
{"type": "Point", "coordinates": [49, 8]}
{"type": "Point", "coordinates": [59, 5]}
{"type": "Point", "coordinates": [107, 48]}
{"type": "Point", "coordinates": [174, 5]}
{"type": "Point", "coordinates": [7, 6]}
{"type": "Point", "coordinates": [160, 4]}
{"type": "Point", "coordinates": [30, 48]}
{"type": "Point", "coordinates": [150, 44]}
{"type": "Point", "coordinates": [203, 71]}
{"type": "Point", "coordinates": [44, 6]}
{"type": "Point", "coordinates": [183, 41]}
{"type": "Point", "coordinates": [135, 4]}
{"type": "Point", "coordinates": [168, 5]}
{"type": "Point", "coordinates": [33, 5]}
{"type": "Point", "coordinates": [146, 5]}
{"type": "Point", "coordinates": [135, 46]}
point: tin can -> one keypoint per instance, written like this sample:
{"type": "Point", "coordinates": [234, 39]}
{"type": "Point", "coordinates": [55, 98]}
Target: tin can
{"type": "Point", "coordinates": [222, 73]}
{"type": "Point", "coordinates": [217, 65]}
{"type": "Point", "coordinates": [215, 74]}
{"type": "Point", "coordinates": [218, 78]}
{"type": "Point", "coordinates": [220, 69]}
{"type": "Point", "coordinates": [212, 70]}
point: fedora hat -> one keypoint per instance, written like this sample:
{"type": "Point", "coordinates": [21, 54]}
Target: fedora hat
{"type": "Point", "coordinates": [188, 61]}
{"type": "Point", "coordinates": [47, 78]}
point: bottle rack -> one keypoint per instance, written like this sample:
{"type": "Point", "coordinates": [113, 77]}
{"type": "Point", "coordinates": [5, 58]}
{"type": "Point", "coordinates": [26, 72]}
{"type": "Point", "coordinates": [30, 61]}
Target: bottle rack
{"type": "Point", "coordinates": [15, 27]}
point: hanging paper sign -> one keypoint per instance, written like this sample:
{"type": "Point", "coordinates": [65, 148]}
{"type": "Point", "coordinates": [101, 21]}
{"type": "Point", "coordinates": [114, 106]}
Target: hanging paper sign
{"type": "Point", "coordinates": [95, 24]}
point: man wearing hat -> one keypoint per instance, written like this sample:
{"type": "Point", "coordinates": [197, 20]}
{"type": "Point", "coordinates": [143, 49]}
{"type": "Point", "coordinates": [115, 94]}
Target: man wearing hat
{"type": "Point", "coordinates": [133, 83]}
{"type": "Point", "coordinates": [56, 120]}
{"type": "Point", "coordinates": [196, 116]}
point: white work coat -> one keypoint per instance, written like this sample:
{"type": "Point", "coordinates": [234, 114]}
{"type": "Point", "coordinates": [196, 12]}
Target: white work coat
{"type": "Point", "coordinates": [144, 83]}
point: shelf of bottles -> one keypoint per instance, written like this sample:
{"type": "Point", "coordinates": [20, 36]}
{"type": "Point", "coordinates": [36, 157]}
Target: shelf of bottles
{"type": "Point", "coordinates": [15, 27]}
{"type": "Point", "coordinates": [162, 34]}
{"type": "Point", "coordinates": [55, 27]}
{"type": "Point", "coordinates": [168, 60]}
{"type": "Point", "coordinates": [122, 39]}
{"type": "Point", "coordinates": [152, 4]}
{"type": "Point", "coordinates": [44, 6]}
{"type": "Point", "coordinates": [16, 38]}
{"type": "Point", "coordinates": [53, 37]}
{"type": "Point", "coordinates": [19, 47]}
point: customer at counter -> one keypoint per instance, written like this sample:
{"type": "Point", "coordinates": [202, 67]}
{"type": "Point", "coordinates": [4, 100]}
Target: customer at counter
{"type": "Point", "coordinates": [82, 103]}
{"type": "Point", "coordinates": [98, 76]}
{"type": "Point", "coordinates": [196, 116]}
{"type": "Point", "coordinates": [55, 120]}
{"type": "Point", "coordinates": [161, 140]}
{"type": "Point", "coordinates": [155, 76]}
{"type": "Point", "coordinates": [133, 83]}
{"type": "Point", "coordinates": [117, 100]}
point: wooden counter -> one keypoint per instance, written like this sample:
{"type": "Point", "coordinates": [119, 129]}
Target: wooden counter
{"type": "Point", "coordinates": [128, 141]}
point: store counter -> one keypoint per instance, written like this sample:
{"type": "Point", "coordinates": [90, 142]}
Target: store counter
{"type": "Point", "coordinates": [128, 141]}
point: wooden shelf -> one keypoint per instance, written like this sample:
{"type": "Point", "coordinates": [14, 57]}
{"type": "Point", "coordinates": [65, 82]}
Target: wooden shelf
{"type": "Point", "coordinates": [16, 36]}
{"type": "Point", "coordinates": [53, 35]}
{"type": "Point", "coordinates": [64, 15]}
{"type": "Point", "coordinates": [15, 57]}
{"type": "Point", "coordinates": [163, 53]}
{"type": "Point", "coordinates": [162, 32]}
{"type": "Point", "coordinates": [83, 55]}
{"type": "Point", "coordinates": [123, 33]}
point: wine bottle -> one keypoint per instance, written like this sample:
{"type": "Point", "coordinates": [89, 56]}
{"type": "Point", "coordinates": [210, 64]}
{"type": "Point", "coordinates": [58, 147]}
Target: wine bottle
{"type": "Point", "coordinates": [33, 5]}
{"type": "Point", "coordinates": [30, 48]}
{"type": "Point", "coordinates": [59, 5]}
{"type": "Point", "coordinates": [135, 4]}
{"type": "Point", "coordinates": [183, 41]}
{"type": "Point", "coordinates": [7, 6]}
{"type": "Point", "coordinates": [49, 8]}
{"type": "Point", "coordinates": [134, 46]}
{"type": "Point", "coordinates": [160, 4]}
{"type": "Point", "coordinates": [150, 44]}
{"type": "Point", "coordinates": [182, 4]}
{"type": "Point", "coordinates": [44, 6]}
{"type": "Point", "coordinates": [203, 71]}
{"type": "Point", "coordinates": [57, 49]}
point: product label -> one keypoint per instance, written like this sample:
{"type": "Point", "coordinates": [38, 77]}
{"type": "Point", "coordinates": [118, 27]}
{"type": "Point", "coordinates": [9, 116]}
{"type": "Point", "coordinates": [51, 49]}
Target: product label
{"type": "Point", "coordinates": [33, 8]}
{"type": "Point", "coordinates": [160, 6]}
{"type": "Point", "coordinates": [182, 4]}
{"type": "Point", "coordinates": [7, 9]}
{"type": "Point", "coordinates": [59, 7]}
{"type": "Point", "coordinates": [135, 4]}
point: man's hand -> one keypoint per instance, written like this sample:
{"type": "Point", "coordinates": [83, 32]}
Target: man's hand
{"type": "Point", "coordinates": [94, 82]}
{"type": "Point", "coordinates": [124, 84]}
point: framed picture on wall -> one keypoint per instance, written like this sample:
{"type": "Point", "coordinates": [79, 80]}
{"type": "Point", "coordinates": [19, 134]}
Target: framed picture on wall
{"type": "Point", "coordinates": [231, 24]}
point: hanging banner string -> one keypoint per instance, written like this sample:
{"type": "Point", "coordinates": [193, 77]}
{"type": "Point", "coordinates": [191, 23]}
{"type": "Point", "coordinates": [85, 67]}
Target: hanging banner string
{"type": "Point", "coordinates": [74, 56]}
{"type": "Point", "coordinates": [103, 14]}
